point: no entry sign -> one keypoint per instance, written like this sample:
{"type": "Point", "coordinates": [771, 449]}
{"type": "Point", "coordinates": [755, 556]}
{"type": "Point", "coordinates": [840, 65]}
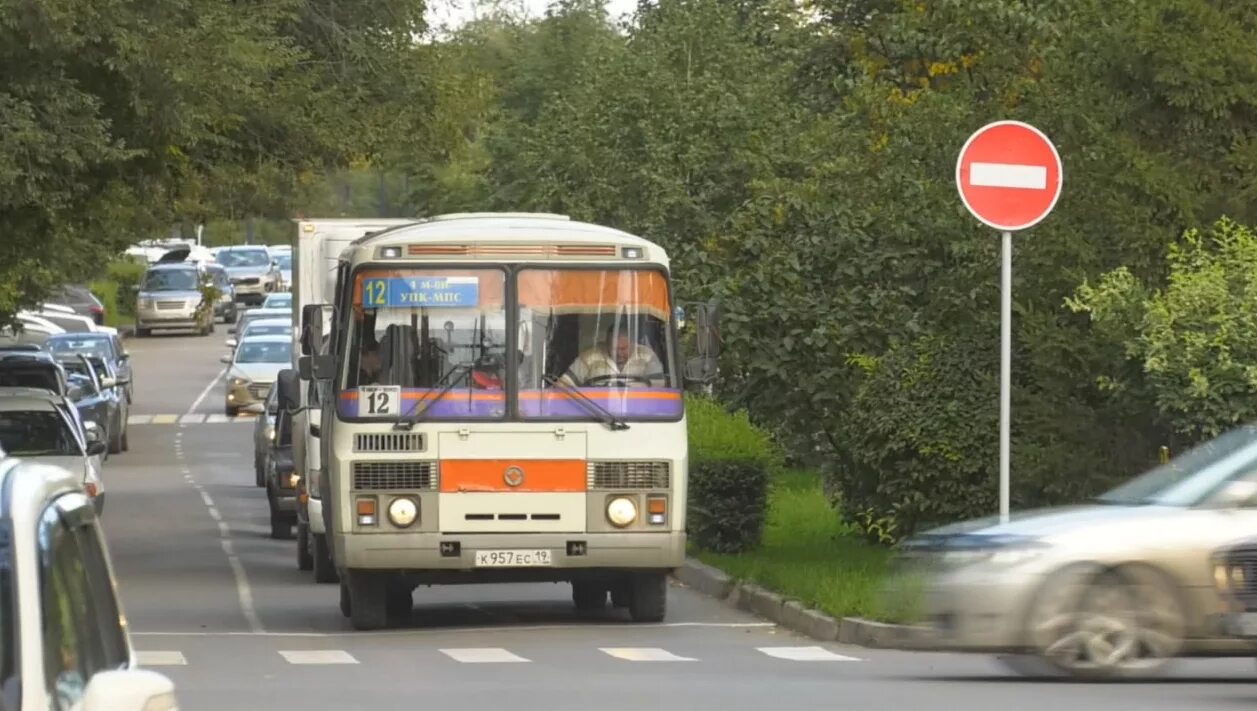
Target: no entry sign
{"type": "Point", "coordinates": [1009, 175]}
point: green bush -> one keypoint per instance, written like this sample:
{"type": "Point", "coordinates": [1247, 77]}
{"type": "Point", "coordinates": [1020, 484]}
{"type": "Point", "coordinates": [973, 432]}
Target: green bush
{"type": "Point", "coordinates": [107, 292]}
{"type": "Point", "coordinates": [123, 279]}
{"type": "Point", "coordinates": [730, 462]}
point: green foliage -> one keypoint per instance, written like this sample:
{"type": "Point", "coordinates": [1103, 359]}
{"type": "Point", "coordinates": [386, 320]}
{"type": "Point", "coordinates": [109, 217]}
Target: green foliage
{"type": "Point", "coordinates": [729, 465]}
{"type": "Point", "coordinates": [122, 277]}
{"type": "Point", "coordinates": [1193, 343]}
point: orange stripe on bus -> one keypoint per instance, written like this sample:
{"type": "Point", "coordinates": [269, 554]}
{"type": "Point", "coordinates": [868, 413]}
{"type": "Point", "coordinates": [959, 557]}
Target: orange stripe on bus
{"type": "Point", "coordinates": [490, 475]}
{"type": "Point", "coordinates": [625, 395]}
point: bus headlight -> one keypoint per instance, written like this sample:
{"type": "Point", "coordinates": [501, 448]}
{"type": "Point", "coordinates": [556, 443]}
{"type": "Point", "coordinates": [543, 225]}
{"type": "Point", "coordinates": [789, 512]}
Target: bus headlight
{"type": "Point", "coordinates": [621, 512]}
{"type": "Point", "coordinates": [403, 512]}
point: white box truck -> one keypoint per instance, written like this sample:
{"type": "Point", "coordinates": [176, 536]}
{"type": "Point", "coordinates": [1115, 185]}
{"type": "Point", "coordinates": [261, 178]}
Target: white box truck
{"type": "Point", "coordinates": [315, 253]}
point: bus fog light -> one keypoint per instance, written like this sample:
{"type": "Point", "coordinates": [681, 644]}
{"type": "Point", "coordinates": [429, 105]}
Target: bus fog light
{"type": "Point", "coordinates": [366, 512]}
{"type": "Point", "coordinates": [657, 508]}
{"type": "Point", "coordinates": [621, 512]}
{"type": "Point", "coordinates": [403, 512]}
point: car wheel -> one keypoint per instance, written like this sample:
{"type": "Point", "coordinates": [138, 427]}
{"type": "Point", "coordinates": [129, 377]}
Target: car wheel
{"type": "Point", "coordinates": [589, 596]}
{"type": "Point", "coordinates": [305, 561]}
{"type": "Point", "coordinates": [1108, 624]}
{"type": "Point", "coordinates": [648, 597]}
{"type": "Point", "coordinates": [324, 570]}
{"type": "Point", "coordinates": [346, 604]}
{"type": "Point", "coordinates": [281, 527]}
{"type": "Point", "coordinates": [126, 443]}
{"type": "Point", "coordinates": [115, 441]}
{"type": "Point", "coordinates": [232, 411]}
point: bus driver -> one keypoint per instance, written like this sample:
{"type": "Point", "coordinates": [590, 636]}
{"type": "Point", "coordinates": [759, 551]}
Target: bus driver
{"type": "Point", "coordinates": [617, 361]}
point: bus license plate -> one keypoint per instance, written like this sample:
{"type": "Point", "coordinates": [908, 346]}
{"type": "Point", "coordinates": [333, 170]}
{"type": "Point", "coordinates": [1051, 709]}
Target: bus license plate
{"type": "Point", "coordinates": [512, 559]}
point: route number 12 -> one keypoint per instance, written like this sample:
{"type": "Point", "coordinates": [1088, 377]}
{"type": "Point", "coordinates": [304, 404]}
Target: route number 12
{"type": "Point", "coordinates": [378, 401]}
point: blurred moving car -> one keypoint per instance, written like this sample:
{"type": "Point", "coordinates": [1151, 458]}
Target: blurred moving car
{"type": "Point", "coordinates": [63, 634]}
{"type": "Point", "coordinates": [95, 395]}
{"type": "Point", "coordinates": [1114, 588]}
{"type": "Point", "coordinates": [105, 345]}
{"type": "Point", "coordinates": [281, 473]}
{"type": "Point", "coordinates": [252, 270]}
{"type": "Point", "coordinates": [262, 327]}
{"type": "Point", "coordinates": [170, 298]}
{"type": "Point", "coordinates": [252, 370]}
{"type": "Point", "coordinates": [80, 299]}
{"type": "Point", "coordinates": [1235, 574]}
{"type": "Point", "coordinates": [33, 426]}
{"type": "Point", "coordinates": [225, 307]}
{"type": "Point", "coordinates": [263, 435]}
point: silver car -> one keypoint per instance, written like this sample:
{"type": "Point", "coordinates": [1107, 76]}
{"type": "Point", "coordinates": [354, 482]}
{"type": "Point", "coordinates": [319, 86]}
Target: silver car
{"type": "Point", "coordinates": [33, 427]}
{"type": "Point", "coordinates": [170, 297]}
{"type": "Point", "coordinates": [252, 370]}
{"type": "Point", "coordinates": [253, 272]}
{"type": "Point", "coordinates": [1112, 588]}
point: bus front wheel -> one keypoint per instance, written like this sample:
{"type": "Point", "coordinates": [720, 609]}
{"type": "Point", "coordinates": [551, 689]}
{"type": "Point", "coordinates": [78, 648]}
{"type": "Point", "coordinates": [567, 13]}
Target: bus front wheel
{"type": "Point", "coordinates": [648, 597]}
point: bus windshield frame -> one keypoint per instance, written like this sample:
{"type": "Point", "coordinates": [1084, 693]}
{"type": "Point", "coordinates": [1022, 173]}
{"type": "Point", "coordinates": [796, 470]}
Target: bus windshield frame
{"type": "Point", "coordinates": [471, 378]}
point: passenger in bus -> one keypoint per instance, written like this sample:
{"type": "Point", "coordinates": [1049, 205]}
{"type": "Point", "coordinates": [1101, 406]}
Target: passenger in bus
{"type": "Point", "coordinates": [369, 365]}
{"type": "Point", "coordinates": [616, 361]}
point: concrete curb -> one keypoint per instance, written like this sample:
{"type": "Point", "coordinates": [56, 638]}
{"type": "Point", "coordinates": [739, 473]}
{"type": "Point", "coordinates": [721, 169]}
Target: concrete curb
{"type": "Point", "coordinates": [793, 615]}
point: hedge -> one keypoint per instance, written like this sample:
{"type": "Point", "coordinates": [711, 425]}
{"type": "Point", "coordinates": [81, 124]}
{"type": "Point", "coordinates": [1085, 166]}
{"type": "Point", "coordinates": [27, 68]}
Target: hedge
{"type": "Point", "coordinates": [118, 289]}
{"type": "Point", "coordinates": [730, 462]}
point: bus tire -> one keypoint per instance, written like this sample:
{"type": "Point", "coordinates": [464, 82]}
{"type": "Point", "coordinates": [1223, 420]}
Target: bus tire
{"type": "Point", "coordinates": [345, 607]}
{"type": "Point", "coordinates": [324, 571]}
{"type": "Point", "coordinates": [400, 602]}
{"type": "Point", "coordinates": [621, 594]}
{"type": "Point", "coordinates": [648, 597]}
{"type": "Point", "coordinates": [368, 600]}
{"type": "Point", "coordinates": [305, 561]}
{"type": "Point", "coordinates": [589, 596]}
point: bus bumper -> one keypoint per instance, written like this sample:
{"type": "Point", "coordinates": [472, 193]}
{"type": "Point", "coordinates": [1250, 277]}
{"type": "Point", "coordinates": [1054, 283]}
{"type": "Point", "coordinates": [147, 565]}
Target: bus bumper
{"type": "Point", "coordinates": [420, 555]}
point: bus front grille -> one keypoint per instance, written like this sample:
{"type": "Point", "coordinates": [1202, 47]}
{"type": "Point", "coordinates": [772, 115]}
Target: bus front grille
{"type": "Point", "coordinates": [628, 475]}
{"type": "Point", "coordinates": [395, 475]}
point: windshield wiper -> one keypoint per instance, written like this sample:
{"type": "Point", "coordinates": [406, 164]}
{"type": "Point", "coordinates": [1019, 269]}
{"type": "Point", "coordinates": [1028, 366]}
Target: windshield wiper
{"type": "Point", "coordinates": [610, 420]}
{"type": "Point", "coordinates": [427, 403]}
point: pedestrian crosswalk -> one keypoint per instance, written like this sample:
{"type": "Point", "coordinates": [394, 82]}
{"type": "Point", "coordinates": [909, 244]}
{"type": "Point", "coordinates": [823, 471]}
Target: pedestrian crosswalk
{"type": "Point", "coordinates": [497, 655]}
{"type": "Point", "coordinates": [195, 419]}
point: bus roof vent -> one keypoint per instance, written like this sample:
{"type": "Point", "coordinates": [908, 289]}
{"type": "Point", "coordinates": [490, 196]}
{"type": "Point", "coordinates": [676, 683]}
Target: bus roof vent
{"type": "Point", "coordinates": [498, 215]}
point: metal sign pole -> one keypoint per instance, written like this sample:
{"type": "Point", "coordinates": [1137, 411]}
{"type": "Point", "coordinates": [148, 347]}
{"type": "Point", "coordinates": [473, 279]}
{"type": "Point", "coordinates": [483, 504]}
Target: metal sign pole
{"type": "Point", "coordinates": [1005, 372]}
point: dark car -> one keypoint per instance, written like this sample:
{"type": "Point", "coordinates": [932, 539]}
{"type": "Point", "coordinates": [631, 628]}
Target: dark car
{"type": "Point", "coordinates": [281, 473]}
{"type": "Point", "coordinates": [225, 308]}
{"type": "Point", "coordinates": [105, 345]}
{"type": "Point", "coordinates": [89, 390]}
{"type": "Point", "coordinates": [22, 368]}
{"type": "Point", "coordinates": [1235, 572]}
{"type": "Point", "coordinates": [81, 299]}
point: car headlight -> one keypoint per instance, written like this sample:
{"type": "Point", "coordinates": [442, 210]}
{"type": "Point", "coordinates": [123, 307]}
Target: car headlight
{"type": "Point", "coordinates": [239, 381]}
{"type": "Point", "coordinates": [270, 433]}
{"type": "Point", "coordinates": [146, 303]}
{"type": "Point", "coordinates": [621, 511]}
{"type": "Point", "coordinates": [403, 512]}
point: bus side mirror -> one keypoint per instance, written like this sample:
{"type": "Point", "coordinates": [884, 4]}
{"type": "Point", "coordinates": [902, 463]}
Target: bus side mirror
{"type": "Point", "coordinates": [288, 390]}
{"type": "Point", "coordinates": [700, 370]}
{"type": "Point", "coordinates": [316, 367]}
{"type": "Point", "coordinates": [311, 328]}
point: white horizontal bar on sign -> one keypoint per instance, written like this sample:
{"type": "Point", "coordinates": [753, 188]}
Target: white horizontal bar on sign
{"type": "Point", "coordinates": [1008, 175]}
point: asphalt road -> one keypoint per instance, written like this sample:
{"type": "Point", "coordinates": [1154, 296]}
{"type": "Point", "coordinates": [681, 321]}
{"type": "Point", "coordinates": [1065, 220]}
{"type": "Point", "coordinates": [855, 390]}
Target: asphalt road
{"type": "Point", "coordinates": [222, 609]}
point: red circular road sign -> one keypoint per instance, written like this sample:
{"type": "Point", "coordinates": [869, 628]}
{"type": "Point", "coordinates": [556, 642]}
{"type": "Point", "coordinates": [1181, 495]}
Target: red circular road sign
{"type": "Point", "coordinates": [1009, 175]}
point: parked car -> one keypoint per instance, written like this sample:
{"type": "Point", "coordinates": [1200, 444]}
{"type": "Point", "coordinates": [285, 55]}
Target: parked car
{"type": "Point", "coordinates": [281, 473]}
{"type": "Point", "coordinates": [170, 298]}
{"type": "Point", "coordinates": [106, 345]}
{"type": "Point", "coordinates": [252, 270]}
{"type": "Point", "coordinates": [94, 394]}
{"type": "Point", "coordinates": [64, 317]}
{"type": "Point", "coordinates": [112, 388]}
{"type": "Point", "coordinates": [30, 330]}
{"type": "Point", "coordinates": [262, 327]}
{"type": "Point", "coordinates": [263, 436]}
{"type": "Point", "coordinates": [252, 370]}
{"type": "Point", "coordinates": [225, 308]}
{"type": "Point", "coordinates": [80, 299]}
{"type": "Point", "coordinates": [34, 425]}
{"type": "Point", "coordinates": [59, 651]}
{"type": "Point", "coordinates": [1113, 588]}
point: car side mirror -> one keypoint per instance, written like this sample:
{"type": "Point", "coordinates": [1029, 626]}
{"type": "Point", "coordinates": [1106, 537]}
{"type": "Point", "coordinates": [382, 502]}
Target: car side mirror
{"type": "Point", "coordinates": [97, 448]}
{"type": "Point", "coordinates": [108, 383]}
{"type": "Point", "coordinates": [316, 367]}
{"type": "Point", "coordinates": [224, 358]}
{"type": "Point", "coordinates": [129, 690]}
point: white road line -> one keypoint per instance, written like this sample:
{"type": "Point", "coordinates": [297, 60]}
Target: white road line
{"type": "Point", "coordinates": [482, 655]}
{"type": "Point", "coordinates": [191, 419]}
{"type": "Point", "coordinates": [318, 656]}
{"type": "Point", "coordinates": [213, 512]}
{"type": "Point", "coordinates": [209, 502]}
{"type": "Point", "coordinates": [644, 654]}
{"type": "Point", "coordinates": [528, 629]}
{"type": "Point", "coordinates": [217, 418]}
{"type": "Point", "coordinates": [806, 654]}
{"type": "Point", "coordinates": [150, 658]}
{"type": "Point", "coordinates": [204, 393]}
{"type": "Point", "coordinates": [139, 419]}
{"type": "Point", "coordinates": [164, 419]}
{"type": "Point", "coordinates": [243, 591]}
{"type": "Point", "coordinates": [1008, 175]}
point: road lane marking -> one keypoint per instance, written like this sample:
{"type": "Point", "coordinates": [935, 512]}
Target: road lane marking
{"type": "Point", "coordinates": [191, 419]}
{"type": "Point", "coordinates": [201, 398]}
{"type": "Point", "coordinates": [153, 658]}
{"type": "Point", "coordinates": [165, 419]}
{"type": "Point", "coordinates": [318, 656]}
{"type": "Point", "coordinates": [806, 654]}
{"type": "Point", "coordinates": [209, 502]}
{"type": "Point", "coordinates": [217, 418]}
{"type": "Point", "coordinates": [644, 654]}
{"type": "Point", "coordinates": [246, 417]}
{"type": "Point", "coordinates": [139, 419]}
{"type": "Point", "coordinates": [482, 655]}
{"type": "Point", "coordinates": [1008, 175]}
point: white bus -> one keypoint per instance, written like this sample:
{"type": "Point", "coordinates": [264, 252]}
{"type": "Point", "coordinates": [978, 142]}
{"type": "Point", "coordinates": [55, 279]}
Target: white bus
{"type": "Point", "coordinates": [501, 402]}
